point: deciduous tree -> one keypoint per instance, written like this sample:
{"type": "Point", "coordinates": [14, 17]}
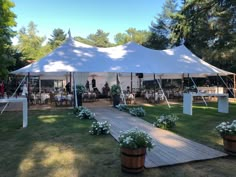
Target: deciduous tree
{"type": "Point", "coordinates": [7, 21]}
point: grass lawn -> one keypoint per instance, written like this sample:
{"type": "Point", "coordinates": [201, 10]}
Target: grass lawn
{"type": "Point", "coordinates": [57, 144]}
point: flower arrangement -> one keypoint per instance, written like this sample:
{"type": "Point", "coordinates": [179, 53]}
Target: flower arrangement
{"type": "Point", "coordinates": [139, 112]}
{"type": "Point", "coordinates": [100, 128]}
{"type": "Point", "coordinates": [80, 89]}
{"type": "Point", "coordinates": [122, 107]}
{"type": "Point", "coordinates": [166, 121]}
{"type": "Point", "coordinates": [85, 114]}
{"type": "Point", "coordinates": [115, 90]}
{"type": "Point", "coordinates": [134, 139]}
{"type": "Point", "coordinates": [227, 128]}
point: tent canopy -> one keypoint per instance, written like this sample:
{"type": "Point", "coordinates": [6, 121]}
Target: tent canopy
{"type": "Point", "coordinates": [73, 56]}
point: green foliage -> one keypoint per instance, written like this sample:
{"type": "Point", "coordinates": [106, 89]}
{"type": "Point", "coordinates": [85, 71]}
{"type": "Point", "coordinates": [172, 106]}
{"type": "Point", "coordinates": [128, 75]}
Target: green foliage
{"type": "Point", "coordinates": [135, 139]}
{"type": "Point", "coordinates": [161, 29]}
{"type": "Point", "coordinates": [99, 39]}
{"type": "Point", "coordinates": [30, 44]}
{"type": "Point", "coordinates": [122, 107]}
{"type": "Point", "coordinates": [166, 121]}
{"type": "Point", "coordinates": [208, 27]}
{"type": "Point", "coordinates": [77, 110]}
{"type": "Point", "coordinates": [85, 114]}
{"type": "Point", "coordinates": [132, 34]}
{"type": "Point", "coordinates": [7, 21]}
{"type": "Point", "coordinates": [100, 128]}
{"type": "Point", "coordinates": [139, 112]}
{"type": "Point", "coordinates": [57, 38]}
{"type": "Point", "coordinates": [80, 89]}
{"type": "Point", "coordinates": [115, 90]}
{"type": "Point", "coordinates": [84, 40]}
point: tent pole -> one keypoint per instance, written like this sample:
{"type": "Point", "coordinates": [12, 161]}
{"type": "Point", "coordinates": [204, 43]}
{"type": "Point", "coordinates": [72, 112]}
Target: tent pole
{"type": "Point", "coordinates": [198, 91]}
{"type": "Point", "coordinates": [122, 93]}
{"type": "Point", "coordinates": [182, 82]}
{"type": "Point", "coordinates": [217, 83]}
{"type": "Point", "coordinates": [131, 82]}
{"type": "Point", "coordinates": [40, 85]}
{"type": "Point", "coordinates": [75, 91]}
{"type": "Point", "coordinates": [188, 81]}
{"type": "Point", "coordinates": [13, 94]}
{"type": "Point", "coordinates": [70, 82]}
{"type": "Point", "coordinates": [28, 83]}
{"type": "Point", "coordinates": [234, 85]}
{"type": "Point", "coordinates": [226, 85]}
{"type": "Point", "coordinates": [154, 78]}
{"type": "Point", "coordinates": [163, 92]}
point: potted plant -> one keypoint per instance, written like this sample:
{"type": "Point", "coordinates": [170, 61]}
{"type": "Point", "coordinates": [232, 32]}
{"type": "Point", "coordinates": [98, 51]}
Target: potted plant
{"type": "Point", "coordinates": [80, 89]}
{"type": "Point", "coordinates": [227, 131]}
{"type": "Point", "coordinates": [115, 93]}
{"type": "Point", "coordinates": [133, 145]}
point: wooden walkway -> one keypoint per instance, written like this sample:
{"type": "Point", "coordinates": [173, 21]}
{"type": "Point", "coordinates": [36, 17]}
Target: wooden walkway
{"type": "Point", "coordinates": [170, 149]}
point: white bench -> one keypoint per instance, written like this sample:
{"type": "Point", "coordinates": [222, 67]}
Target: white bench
{"type": "Point", "coordinates": [223, 103]}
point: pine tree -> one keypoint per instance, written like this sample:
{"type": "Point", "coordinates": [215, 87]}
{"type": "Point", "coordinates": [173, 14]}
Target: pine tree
{"type": "Point", "coordinates": [57, 38]}
{"type": "Point", "coordinates": [209, 30]}
{"type": "Point", "coordinates": [161, 29]}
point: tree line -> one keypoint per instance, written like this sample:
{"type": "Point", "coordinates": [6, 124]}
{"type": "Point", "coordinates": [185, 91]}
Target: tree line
{"type": "Point", "coordinates": [206, 27]}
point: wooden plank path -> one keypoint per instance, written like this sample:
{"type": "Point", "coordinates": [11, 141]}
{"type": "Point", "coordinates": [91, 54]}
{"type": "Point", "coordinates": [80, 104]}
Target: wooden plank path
{"type": "Point", "coordinates": [169, 148]}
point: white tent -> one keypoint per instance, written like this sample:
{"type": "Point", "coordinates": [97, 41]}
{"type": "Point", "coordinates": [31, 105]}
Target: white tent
{"type": "Point", "coordinates": [73, 56]}
{"type": "Point", "coordinates": [81, 59]}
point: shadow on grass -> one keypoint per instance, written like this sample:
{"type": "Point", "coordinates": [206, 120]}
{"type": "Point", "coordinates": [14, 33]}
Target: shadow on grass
{"type": "Point", "coordinates": [54, 144]}
{"type": "Point", "coordinates": [58, 144]}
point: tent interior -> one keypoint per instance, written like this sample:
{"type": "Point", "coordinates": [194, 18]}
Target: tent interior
{"type": "Point", "coordinates": [144, 71]}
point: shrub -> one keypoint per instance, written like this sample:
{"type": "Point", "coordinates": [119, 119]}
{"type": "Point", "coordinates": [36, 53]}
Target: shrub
{"type": "Point", "coordinates": [85, 114]}
{"type": "Point", "coordinates": [166, 121]}
{"type": "Point", "coordinates": [139, 112]}
{"type": "Point", "coordinates": [115, 90]}
{"type": "Point", "coordinates": [80, 89]}
{"type": "Point", "coordinates": [122, 107]}
{"type": "Point", "coordinates": [77, 110]}
{"type": "Point", "coordinates": [100, 128]}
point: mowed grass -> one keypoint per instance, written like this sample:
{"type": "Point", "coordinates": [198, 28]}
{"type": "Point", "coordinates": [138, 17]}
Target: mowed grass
{"type": "Point", "coordinates": [57, 144]}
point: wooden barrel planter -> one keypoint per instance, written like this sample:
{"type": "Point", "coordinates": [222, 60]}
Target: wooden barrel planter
{"type": "Point", "coordinates": [132, 160]}
{"type": "Point", "coordinates": [230, 144]}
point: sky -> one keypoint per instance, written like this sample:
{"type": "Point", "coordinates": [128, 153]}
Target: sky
{"type": "Point", "coordinates": [84, 17]}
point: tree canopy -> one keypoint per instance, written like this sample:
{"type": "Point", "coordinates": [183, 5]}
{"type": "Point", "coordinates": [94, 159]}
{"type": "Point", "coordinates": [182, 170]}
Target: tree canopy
{"type": "Point", "coordinates": [161, 28]}
{"type": "Point", "coordinates": [208, 28]}
{"type": "Point", "coordinates": [31, 44]}
{"type": "Point", "coordinates": [132, 34]}
{"type": "Point", "coordinates": [57, 38]}
{"type": "Point", "coordinates": [7, 21]}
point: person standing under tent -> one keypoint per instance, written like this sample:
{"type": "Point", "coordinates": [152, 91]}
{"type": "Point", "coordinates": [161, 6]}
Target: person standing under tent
{"type": "Point", "coordinates": [68, 88]}
{"type": "Point", "coordinates": [93, 83]}
{"type": "Point", "coordinates": [87, 85]}
{"type": "Point", "coordinates": [1, 89]}
{"type": "Point", "coordinates": [25, 90]}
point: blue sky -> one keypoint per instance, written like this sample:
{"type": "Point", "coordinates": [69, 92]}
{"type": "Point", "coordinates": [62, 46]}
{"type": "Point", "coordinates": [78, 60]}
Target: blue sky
{"type": "Point", "coordinates": [84, 17]}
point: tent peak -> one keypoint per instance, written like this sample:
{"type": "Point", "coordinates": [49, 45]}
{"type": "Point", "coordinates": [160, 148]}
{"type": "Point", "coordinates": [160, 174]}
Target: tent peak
{"type": "Point", "coordinates": [69, 34]}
